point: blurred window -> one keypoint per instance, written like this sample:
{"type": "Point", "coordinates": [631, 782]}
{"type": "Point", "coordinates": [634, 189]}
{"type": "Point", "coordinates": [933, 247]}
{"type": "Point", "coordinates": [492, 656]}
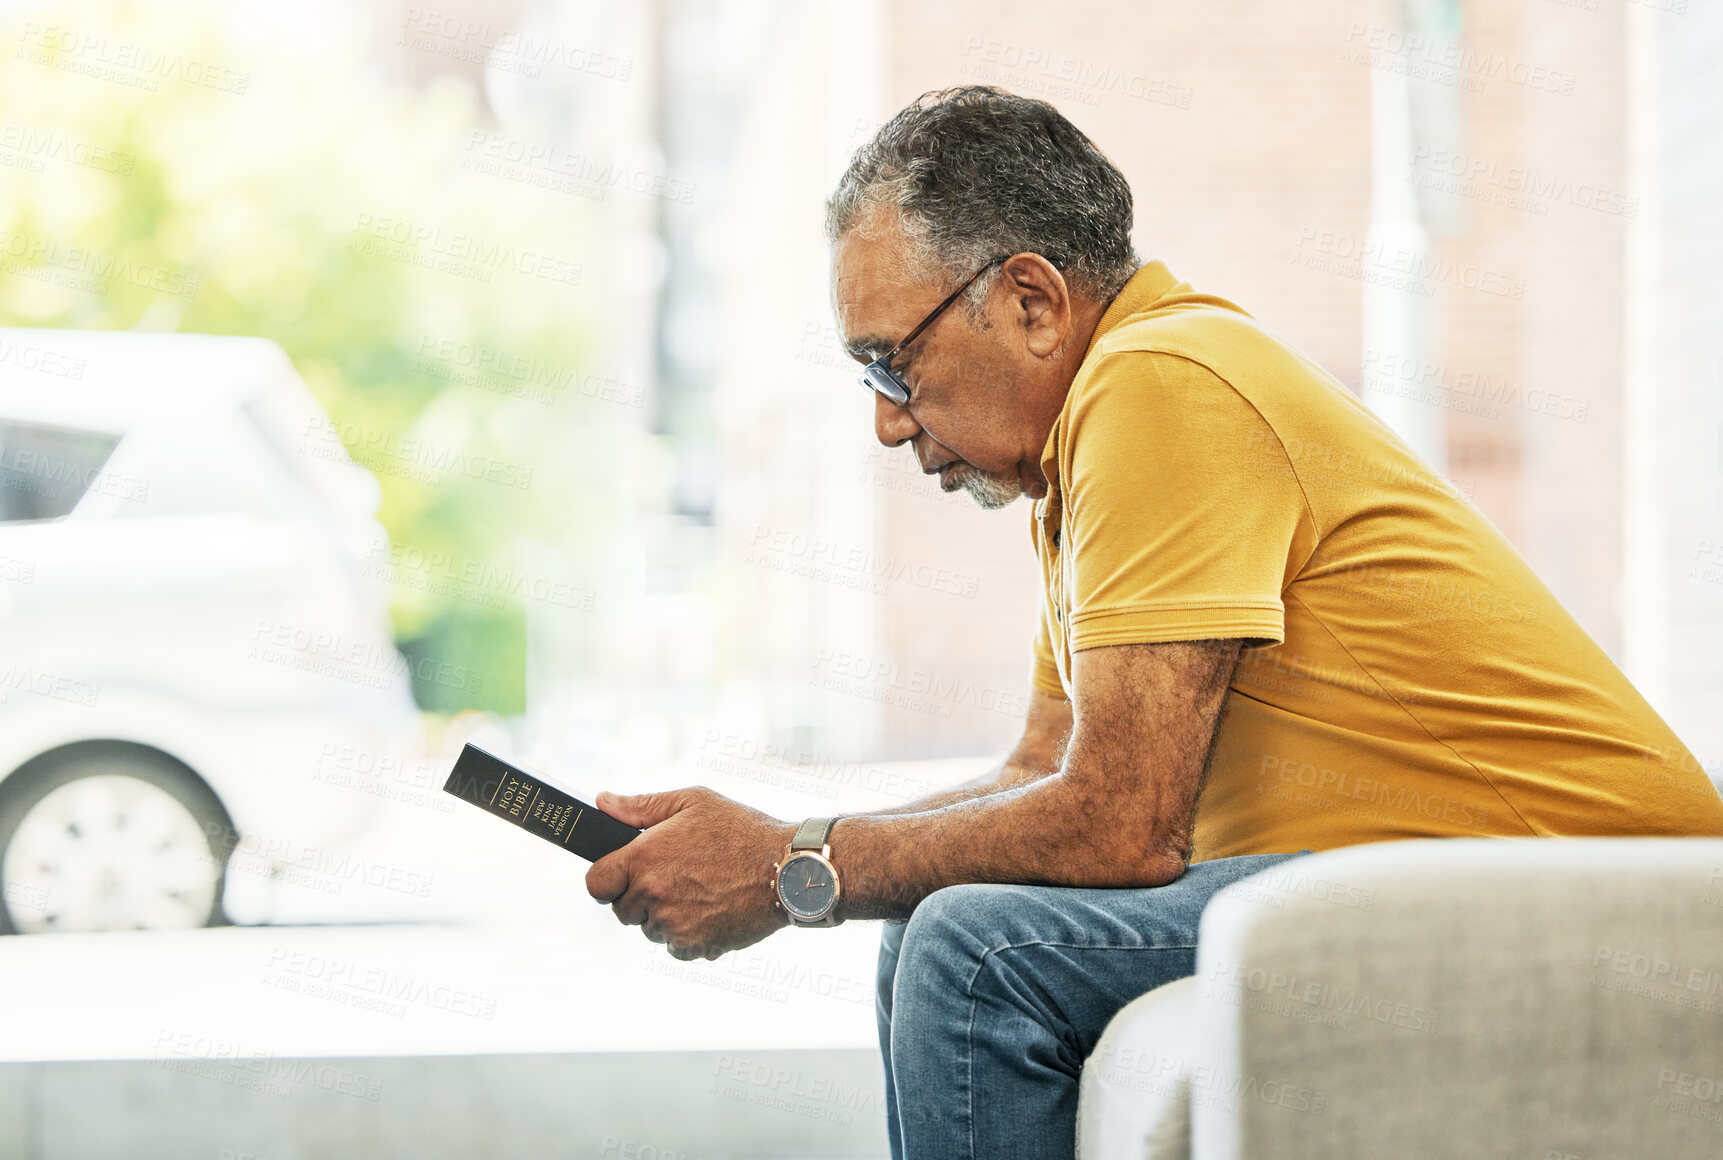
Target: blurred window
{"type": "Point", "coordinates": [45, 470]}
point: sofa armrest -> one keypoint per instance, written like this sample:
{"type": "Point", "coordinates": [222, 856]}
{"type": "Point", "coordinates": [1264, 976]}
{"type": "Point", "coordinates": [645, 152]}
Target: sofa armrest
{"type": "Point", "coordinates": [1529, 998]}
{"type": "Point", "coordinates": [1133, 1101]}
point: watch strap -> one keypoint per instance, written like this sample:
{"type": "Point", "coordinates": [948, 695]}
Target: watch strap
{"type": "Point", "coordinates": [813, 834]}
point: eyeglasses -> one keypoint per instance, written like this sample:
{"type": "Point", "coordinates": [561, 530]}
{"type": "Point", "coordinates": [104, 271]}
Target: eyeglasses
{"type": "Point", "coordinates": [887, 380]}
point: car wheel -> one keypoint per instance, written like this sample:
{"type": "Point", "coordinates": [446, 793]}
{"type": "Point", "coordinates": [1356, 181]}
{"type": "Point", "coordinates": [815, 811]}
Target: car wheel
{"type": "Point", "coordinates": [103, 837]}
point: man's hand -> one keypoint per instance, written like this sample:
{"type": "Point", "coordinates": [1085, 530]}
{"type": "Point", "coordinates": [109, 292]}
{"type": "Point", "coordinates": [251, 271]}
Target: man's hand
{"type": "Point", "coordinates": [699, 878]}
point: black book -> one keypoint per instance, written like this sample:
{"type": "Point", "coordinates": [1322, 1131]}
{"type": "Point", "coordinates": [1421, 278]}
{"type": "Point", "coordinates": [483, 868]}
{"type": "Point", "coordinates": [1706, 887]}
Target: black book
{"type": "Point", "coordinates": [492, 784]}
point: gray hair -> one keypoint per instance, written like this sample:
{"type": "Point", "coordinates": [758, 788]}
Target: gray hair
{"type": "Point", "coordinates": [975, 172]}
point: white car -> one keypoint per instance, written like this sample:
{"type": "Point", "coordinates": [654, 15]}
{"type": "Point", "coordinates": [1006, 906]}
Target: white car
{"type": "Point", "coordinates": [190, 658]}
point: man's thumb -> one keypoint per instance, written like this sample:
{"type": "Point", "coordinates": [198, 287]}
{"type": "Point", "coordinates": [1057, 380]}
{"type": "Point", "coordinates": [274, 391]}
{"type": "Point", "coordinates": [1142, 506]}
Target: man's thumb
{"type": "Point", "coordinates": [640, 809]}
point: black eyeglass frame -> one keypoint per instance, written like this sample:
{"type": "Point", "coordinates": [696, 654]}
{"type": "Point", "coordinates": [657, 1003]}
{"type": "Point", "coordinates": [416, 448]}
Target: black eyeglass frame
{"type": "Point", "coordinates": [881, 376]}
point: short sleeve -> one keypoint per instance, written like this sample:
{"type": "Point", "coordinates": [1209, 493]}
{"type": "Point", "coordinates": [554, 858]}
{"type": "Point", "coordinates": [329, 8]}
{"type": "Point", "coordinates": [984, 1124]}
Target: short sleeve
{"type": "Point", "coordinates": [1044, 669]}
{"type": "Point", "coordinates": [1181, 508]}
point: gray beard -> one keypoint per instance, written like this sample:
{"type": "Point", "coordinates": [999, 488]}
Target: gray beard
{"type": "Point", "coordinates": [988, 493]}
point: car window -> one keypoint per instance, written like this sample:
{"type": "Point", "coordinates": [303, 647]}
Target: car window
{"type": "Point", "coordinates": [45, 471]}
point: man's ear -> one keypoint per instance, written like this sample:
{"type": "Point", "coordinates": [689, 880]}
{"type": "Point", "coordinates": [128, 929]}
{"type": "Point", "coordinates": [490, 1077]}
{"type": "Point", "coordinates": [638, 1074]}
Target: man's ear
{"type": "Point", "coordinates": [1040, 302]}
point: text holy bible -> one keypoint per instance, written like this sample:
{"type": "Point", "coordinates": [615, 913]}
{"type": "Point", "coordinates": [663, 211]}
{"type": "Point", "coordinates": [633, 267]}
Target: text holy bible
{"type": "Point", "coordinates": [492, 784]}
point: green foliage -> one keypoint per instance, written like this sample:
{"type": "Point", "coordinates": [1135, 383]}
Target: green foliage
{"type": "Point", "coordinates": [257, 196]}
{"type": "Point", "coordinates": [497, 636]}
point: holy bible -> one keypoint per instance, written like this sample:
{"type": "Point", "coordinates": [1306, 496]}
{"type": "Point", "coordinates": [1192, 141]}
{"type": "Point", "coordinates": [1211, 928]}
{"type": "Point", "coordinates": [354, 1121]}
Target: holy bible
{"type": "Point", "coordinates": [492, 784]}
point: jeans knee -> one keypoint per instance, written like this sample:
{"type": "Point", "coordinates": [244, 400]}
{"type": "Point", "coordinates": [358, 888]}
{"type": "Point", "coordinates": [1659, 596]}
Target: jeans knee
{"type": "Point", "coordinates": [952, 926]}
{"type": "Point", "coordinates": [968, 906]}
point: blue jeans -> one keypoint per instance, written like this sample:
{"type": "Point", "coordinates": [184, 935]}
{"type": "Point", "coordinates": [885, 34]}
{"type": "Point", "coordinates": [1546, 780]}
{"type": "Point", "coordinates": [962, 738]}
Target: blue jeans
{"type": "Point", "coordinates": [991, 996]}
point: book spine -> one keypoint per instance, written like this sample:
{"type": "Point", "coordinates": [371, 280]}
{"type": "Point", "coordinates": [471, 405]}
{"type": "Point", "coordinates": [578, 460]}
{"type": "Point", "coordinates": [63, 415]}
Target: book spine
{"type": "Point", "coordinates": [499, 788]}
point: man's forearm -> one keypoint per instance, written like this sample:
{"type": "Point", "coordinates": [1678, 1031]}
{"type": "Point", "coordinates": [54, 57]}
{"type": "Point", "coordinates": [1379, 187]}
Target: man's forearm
{"type": "Point", "coordinates": [1037, 754]}
{"type": "Point", "coordinates": [1119, 811]}
{"type": "Point", "coordinates": [1002, 776]}
{"type": "Point", "coordinates": [1041, 831]}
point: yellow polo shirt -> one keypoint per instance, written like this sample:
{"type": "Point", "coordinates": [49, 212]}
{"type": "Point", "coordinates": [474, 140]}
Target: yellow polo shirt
{"type": "Point", "coordinates": [1406, 675]}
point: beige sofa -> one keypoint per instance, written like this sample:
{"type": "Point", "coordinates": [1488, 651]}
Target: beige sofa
{"type": "Point", "coordinates": [1555, 999]}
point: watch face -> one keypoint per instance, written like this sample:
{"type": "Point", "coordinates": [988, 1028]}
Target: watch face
{"type": "Point", "coordinates": [806, 886]}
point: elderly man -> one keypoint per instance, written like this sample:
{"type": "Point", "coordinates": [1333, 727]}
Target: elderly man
{"type": "Point", "coordinates": [1266, 629]}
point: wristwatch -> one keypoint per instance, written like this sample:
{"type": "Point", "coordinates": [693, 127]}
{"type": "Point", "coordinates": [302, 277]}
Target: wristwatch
{"type": "Point", "coordinates": [806, 881]}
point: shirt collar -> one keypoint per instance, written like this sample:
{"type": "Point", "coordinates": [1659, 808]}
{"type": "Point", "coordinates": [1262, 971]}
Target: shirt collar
{"type": "Point", "coordinates": [1152, 282]}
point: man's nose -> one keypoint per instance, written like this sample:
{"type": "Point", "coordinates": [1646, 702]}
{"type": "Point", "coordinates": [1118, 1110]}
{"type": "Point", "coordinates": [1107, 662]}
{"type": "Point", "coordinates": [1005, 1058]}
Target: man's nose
{"type": "Point", "coordinates": [894, 425]}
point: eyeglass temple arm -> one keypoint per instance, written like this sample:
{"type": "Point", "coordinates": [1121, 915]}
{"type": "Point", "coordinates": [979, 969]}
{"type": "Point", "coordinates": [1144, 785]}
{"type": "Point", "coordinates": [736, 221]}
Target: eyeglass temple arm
{"type": "Point", "coordinates": [940, 309]}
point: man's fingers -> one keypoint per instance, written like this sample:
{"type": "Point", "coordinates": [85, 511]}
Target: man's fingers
{"type": "Point", "coordinates": [634, 908]}
{"type": "Point", "coordinates": [607, 878]}
{"type": "Point", "coordinates": [644, 809]}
